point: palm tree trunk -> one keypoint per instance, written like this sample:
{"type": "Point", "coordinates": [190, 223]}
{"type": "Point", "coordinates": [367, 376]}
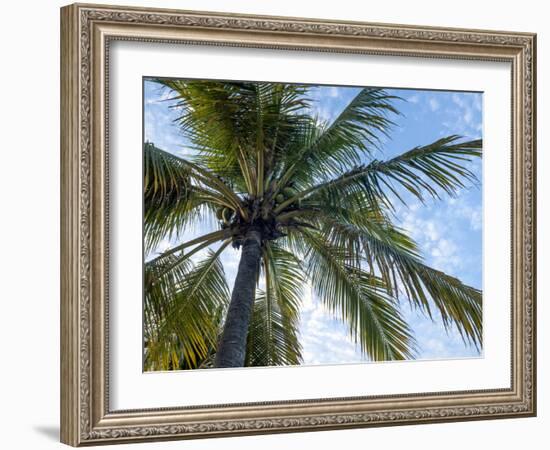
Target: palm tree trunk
{"type": "Point", "coordinates": [232, 347]}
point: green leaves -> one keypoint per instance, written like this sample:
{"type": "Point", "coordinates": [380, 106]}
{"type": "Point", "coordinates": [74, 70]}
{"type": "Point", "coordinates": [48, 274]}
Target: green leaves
{"type": "Point", "coordinates": [423, 170]}
{"type": "Point", "coordinates": [359, 299]}
{"type": "Point", "coordinates": [273, 336]}
{"type": "Point", "coordinates": [177, 193]}
{"type": "Point", "coordinates": [239, 129]}
{"type": "Point", "coordinates": [169, 201]}
{"type": "Point", "coordinates": [429, 170]}
{"type": "Point", "coordinates": [393, 255]}
{"type": "Point", "coordinates": [183, 312]}
{"type": "Point", "coordinates": [329, 149]}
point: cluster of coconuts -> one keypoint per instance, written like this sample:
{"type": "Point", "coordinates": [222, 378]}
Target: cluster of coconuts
{"type": "Point", "coordinates": [285, 194]}
{"type": "Point", "coordinates": [225, 214]}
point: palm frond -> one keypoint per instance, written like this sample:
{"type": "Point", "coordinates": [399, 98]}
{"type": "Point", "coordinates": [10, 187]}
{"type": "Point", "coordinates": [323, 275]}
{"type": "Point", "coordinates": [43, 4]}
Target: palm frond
{"type": "Point", "coordinates": [359, 299]}
{"type": "Point", "coordinates": [176, 256]}
{"type": "Point", "coordinates": [285, 276]}
{"type": "Point", "coordinates": [273, 336]}
{"type": "Point", "coordinates": [205, 178]}
{"type": "Point", "coordinates": [356, 132]}
{"type": "Point", "coordinates": [442, 163]}
{"type": "Point", "coordinates": [428, 170]}
{"type": "Point", "coordinates": [183, 311]}
{"type": "Point", "coordinates": [237, 128]}
{"type": "Point", "coordinates": [169, 201]}
{"type": "Point", "coordinates": [176, 194]}
{"type": "Point", "coordinates": [388, 251]}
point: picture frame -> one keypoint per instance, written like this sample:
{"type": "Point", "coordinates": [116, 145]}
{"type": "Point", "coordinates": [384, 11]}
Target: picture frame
{"type": "Point", "coordinates": [87, 33]}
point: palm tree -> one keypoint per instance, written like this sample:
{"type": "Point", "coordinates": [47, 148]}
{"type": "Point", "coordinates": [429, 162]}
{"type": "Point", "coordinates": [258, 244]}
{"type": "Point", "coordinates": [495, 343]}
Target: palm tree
{"type": "Point", "coordinates": [307, 203]}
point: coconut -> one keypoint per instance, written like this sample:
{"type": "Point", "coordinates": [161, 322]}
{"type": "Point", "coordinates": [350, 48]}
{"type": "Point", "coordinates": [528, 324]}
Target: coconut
{"type": "Point", "coordinates": [288, 192]}
{"type": "Point", "coordinates": [226, 214]}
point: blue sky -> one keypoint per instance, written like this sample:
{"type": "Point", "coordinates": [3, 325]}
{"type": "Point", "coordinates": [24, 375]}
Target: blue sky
{"type": "Point", "coordinates": [448, 231]}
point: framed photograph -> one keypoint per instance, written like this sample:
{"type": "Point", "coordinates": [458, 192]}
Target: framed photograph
{"type": "Point", "coordinates": [275, 224]}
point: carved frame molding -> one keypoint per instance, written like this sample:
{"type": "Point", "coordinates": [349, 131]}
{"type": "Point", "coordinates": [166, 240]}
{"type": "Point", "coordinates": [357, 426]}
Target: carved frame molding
{"type": "Point", "coordinates": [86, 31]}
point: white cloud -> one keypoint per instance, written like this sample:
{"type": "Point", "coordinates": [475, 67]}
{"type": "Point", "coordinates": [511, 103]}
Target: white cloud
{"type": "Point", "coordinates": [463, 210]}
{"type": "Point", "coordinates": [478, 102]}
{"type": "Point", "coordinates": [324, 339]}
{"type": "Point", "coordinates": [464, 118]}
{"type": "Point", "coordinates": [434, 104]}
{"type": "Point", "coordinates": [334, 92]}
{"type": "Point", "coordinates": [445, 255]}
{"type": "Point", "coordinates": [468, 116]}
{"type": "Point", "coordinates": [230, 259]}
{"type": "Point", "coordinates": [435, 347]}
{"type": "Point", "coordinates": [458, 100]}
{"type": "Point", "coordinates": [434, 227]}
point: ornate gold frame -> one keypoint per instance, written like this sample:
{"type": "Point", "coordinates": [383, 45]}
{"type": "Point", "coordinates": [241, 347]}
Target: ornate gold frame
{"type": "Point", "coordinates": [86, 31]}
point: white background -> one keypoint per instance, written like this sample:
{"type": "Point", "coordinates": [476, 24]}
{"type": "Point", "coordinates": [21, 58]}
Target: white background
{"type": "Point", "coordinates": [132, 389]}
{"type": "Point", "coordinates": [29, 185]}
